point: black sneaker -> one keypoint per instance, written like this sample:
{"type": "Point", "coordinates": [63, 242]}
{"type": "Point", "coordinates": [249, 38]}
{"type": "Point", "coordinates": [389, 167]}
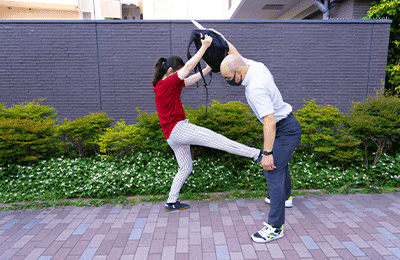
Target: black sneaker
{"type": "Point", "coordinates": [176, 206]}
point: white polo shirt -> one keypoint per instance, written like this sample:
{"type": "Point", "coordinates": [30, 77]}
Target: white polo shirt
{"type": "Point", "coordinates": [262, 94]}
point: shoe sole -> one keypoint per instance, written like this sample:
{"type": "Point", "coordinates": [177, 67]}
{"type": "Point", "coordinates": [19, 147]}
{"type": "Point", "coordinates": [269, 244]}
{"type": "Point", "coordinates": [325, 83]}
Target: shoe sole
{"type": "Point", "coordinates": [266, 241]}
{"type": "Point", "coordinates": [169, 210]}
{"type": "Point", "coordinates": [286, 206]}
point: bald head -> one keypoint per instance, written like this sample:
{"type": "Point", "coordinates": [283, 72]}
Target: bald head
{"type": "Point", "coordinates": [233, 64]}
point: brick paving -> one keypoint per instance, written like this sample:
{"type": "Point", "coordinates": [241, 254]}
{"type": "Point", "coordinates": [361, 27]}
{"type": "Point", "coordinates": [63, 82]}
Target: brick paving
{"type": "Point", "coordinates": [356, 226]}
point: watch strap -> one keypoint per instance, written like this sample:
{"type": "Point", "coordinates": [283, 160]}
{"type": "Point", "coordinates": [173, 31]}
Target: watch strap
{"type": "Point", "coordinates": [267, 153]}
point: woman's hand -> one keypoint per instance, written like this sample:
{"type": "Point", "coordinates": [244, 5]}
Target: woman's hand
{"type": "Point", "coordinates": [206, 42]}
{"type": "Point", "coordinates": [189, 66]}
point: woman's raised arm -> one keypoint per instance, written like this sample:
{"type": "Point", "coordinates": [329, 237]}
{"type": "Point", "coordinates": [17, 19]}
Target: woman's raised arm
{"type": "Point", "coordinates": [189, 66]}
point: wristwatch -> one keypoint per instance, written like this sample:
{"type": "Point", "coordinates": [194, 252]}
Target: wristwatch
{"type": "Point", "coordinates": [267, 153]}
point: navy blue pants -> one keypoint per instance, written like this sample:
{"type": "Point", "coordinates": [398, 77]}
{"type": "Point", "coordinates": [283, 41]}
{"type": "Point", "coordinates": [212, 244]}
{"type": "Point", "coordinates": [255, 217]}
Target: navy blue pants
{"type": "Point", "coordinates": [287, 136]}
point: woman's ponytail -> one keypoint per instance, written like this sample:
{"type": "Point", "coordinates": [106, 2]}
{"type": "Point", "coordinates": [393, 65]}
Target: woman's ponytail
{"type": "Point", "coordinates": [162, 66]}
{"type": "Point", "coordinates": [159, 70]}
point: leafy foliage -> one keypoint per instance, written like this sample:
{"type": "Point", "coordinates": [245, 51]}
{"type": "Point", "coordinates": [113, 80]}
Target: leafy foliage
{"type": "Point", "coordinates": [26, 132]}
{"type": "Point", "coordinates": [323, 134]}
{"type": "Point", "coordinates": [118, 140]}
{"type": "Point", "coordinates": [152, 173]}
{"type": "Point", "coordinates": [136, 163]}
{"type": "Point", "coordinates": [376, 122]}
{"type": "Point", "coordinates": [390, 9]}
{"type": "Point", "coordinates": [33, 110]}
{"type": "Point", "coordinates": [231, 120]}
{"type": "Point", "coordinates": [25, 140]}
{"type": "Point", "coordinates": [150, 135]}
{"type": "Point", "coordinates": [80, 136]}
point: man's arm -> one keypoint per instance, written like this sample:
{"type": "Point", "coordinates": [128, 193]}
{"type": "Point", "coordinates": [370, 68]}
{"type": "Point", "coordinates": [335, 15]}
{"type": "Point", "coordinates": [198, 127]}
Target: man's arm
{"type": "Point", "coordinates": [232, 49]}
{"type": "Point", "coordinates": [269, 138]}
{"type": "Point", "coordinates": [196, 77]}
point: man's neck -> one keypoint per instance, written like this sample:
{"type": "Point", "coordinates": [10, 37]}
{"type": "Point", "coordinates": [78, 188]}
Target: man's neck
{"type": "Point", "coordinates": [244, 71]}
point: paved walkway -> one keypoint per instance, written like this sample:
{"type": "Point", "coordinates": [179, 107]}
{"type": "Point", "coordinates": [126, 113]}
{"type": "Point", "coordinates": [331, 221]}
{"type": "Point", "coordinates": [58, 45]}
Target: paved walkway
{"type": "Point", "coordinates": [360, 226]}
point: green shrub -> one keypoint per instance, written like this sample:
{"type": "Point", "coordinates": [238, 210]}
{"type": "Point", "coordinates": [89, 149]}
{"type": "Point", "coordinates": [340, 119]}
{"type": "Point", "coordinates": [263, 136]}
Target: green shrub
{"type": "Point", "coordinates": [233, 120]}
{"type": "Point", "coordinates": [144, 135]}
{"type": "Point", "coordinates": [149, 133]}
{"type": "Point", "coordinates": [27, 132]}
{"type": "Point", "coordinates": [33, 110]}
{"type": "Point", "coordinates": [323, 134]}
{"type": "Point", "coordinates": [80, 136]}
{"type": "Point", "coordinates": [118, 140]}
{"type": "Point", "coordinates": [376, 122]}
{"type": "Point", "coordinates": [25, 140]}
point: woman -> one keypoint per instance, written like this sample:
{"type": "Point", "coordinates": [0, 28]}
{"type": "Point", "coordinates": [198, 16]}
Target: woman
{"type": "Point", "coordinates": [170, 76]}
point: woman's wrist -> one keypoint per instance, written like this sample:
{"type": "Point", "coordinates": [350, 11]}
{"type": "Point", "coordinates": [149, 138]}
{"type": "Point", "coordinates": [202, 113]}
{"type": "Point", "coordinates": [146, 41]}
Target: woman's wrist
{"type": "Point", "coordinates": [203, 48]}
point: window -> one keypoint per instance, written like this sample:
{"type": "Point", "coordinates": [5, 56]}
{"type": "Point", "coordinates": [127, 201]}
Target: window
{"type": "Point", "coordinates": [86, 16]}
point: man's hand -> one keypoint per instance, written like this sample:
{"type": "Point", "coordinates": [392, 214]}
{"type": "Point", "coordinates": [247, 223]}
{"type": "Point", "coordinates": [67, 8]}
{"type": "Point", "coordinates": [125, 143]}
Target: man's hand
{"type": "Point", "coordinates": [232, 49]}
{"type": "Point", "coordinates": [267, 162]}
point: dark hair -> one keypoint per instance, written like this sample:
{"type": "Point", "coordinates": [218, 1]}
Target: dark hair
{"type": "Point", "coordinates": [162, 65]}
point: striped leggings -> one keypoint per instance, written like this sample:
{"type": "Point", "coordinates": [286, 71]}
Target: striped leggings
{"type": "Point", "coordinates": [183, 135]}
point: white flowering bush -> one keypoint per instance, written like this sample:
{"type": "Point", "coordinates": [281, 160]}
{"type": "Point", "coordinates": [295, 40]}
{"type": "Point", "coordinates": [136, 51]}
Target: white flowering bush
{"type": "Point", "coordinates": [308, 173]}
{"type": "Point", "coordinates": [152, 173]}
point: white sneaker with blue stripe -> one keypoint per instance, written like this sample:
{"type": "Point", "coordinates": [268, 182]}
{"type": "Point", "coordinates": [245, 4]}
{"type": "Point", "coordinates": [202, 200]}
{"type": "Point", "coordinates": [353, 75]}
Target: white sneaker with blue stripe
{"type": "Point", "coordinates": [267, 234]}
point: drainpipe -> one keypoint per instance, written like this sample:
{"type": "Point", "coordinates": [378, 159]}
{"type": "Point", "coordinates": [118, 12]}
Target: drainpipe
{"type": "Point", "coordinates": [323, 8]}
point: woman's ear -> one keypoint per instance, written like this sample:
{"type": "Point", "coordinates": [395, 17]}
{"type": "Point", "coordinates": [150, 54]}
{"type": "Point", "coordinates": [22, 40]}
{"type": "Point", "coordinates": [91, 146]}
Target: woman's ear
{"type": "Point", "coordinates": [169, 71]}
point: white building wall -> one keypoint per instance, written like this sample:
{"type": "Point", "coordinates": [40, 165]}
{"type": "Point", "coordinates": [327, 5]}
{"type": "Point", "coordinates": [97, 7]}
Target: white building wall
{"type": "Point", "coordinates": [185, 9]}
{"type": "Point", "coordinates": [102, 9]}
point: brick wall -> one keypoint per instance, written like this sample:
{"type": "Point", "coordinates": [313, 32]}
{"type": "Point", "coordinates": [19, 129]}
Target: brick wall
{"type": "Point", "coordinates": [334, 62]}
{"type": "Point", "coordinates": [349, 9]}
{"type": "Point", "coordinates": [343, 10]}
{"type": "Point", "coordinates": [361, 8]}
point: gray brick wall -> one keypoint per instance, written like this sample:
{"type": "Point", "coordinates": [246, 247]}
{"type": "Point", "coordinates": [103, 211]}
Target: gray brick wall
{"type": "Point", "coordinates": [349, 9]}
{"type": "Point", "coordinates": [334, 62]}
{"type": "Point", "coordinates": [343, 10]}
{"type": "Point", "coordinates": [361, 8]}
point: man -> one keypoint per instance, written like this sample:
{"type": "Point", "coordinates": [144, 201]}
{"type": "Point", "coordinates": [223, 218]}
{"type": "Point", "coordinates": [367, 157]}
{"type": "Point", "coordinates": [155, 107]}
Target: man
{"type": "Point", "coordinates": [282, 133]}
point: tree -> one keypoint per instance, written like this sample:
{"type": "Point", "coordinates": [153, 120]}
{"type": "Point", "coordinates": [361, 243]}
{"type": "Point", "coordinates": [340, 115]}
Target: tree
{"type": "Point", "coordinates": [390, 9]}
